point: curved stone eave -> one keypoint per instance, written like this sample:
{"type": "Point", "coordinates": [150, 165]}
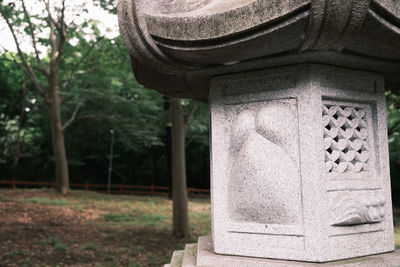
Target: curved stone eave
{"type": "Point", "coordinates": [283, 36]}
{"type": "Point", "coordinates": [392, 7]}
{"type": "Point", "coordinates": [219, 19]}
{"type": "Point", "coordinates": [357, 34]}
{"type": "Point", "coordinates": [195, 84]}
{"type": "Point", "coordinates": [377, 39]}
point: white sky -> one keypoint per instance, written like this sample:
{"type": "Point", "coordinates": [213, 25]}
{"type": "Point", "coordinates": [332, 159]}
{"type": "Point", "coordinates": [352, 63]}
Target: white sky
{"type": "Point", "coordinates": [108, 23]}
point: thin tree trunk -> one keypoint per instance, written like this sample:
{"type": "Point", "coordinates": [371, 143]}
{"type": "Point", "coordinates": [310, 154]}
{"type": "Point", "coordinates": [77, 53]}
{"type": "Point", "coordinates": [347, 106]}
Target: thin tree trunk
{"type": "Point", "coordinates": [60, 156]}
{"type": "Point", "coordinates": [179, 193]}
{"type": "Point", "coordinates": [168, 151]}
{"type": "Point", "coordinates": [152, 168]}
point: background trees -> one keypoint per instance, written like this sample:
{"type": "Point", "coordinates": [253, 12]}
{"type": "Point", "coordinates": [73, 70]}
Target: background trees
{"type": "Point", "coordinates": [96, 92]}
{"type": "Point", "coordinates": [393, 120]}
{"type": "Point", "coordinates": [110, 99]}
{"type": "Point", "coordinates": [42, 69]}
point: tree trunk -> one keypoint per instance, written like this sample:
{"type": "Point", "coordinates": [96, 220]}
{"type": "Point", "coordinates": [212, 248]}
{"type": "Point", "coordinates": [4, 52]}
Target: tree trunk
{"type": "Point", "coordinates": [168, 151]}
{"type": "Point", "coordinates": [152, 168]}
{"type": "Point", "coordinates": [60, 156]}
{"type": "Point", "coordinates": [179, 193]}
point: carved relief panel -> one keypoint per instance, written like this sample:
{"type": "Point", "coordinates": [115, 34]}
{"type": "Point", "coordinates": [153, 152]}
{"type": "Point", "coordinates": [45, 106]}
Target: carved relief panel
{"type": "Point", "coordinates": [345, 139]}
{"type": "Point", "coordinates": [348, 140]}
{"type": "Point", "coordinates": [358, 204]}
{"type": "Point", "coordinates": [299, 164]}
{"type": "Point", "coordinates": [264, 182]}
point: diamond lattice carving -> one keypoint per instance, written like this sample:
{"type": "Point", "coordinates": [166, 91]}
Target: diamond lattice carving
{"type": "Point", "coordinates": [345, 139]}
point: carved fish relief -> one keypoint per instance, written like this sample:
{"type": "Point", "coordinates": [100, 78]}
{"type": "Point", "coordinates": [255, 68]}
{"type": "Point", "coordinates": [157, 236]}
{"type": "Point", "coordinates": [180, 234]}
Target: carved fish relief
{"type": "Point", "coordinates": [354, 210]}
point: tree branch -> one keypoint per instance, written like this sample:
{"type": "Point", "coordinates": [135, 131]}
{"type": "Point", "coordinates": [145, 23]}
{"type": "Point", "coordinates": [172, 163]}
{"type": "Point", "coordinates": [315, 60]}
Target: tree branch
{"type": "Point", "coordinates": [53, 40]}
{"type": "Point", "coordinates": [32, 32]}
{"type": "Point", "coordinates": [189, 116]}
{"type": "Point", "coordinates": [93, 116]}
{"type": "Point", "coordinates": [47, 5]}
{"type": "Point", "coordinates": [62, 35]}
{"type": "Point", "coordinates": [73, 117]}
{"type": "Point", "coordinates": [393, 128]}
{"type": "Point", "coordinates": [42, 70]}
{"type": "Point", "coordinates": [72, 79]}
{"type": "Point", "coordinates": [82, 59]}
{"type": "Point", "coordinates": [28, 70]}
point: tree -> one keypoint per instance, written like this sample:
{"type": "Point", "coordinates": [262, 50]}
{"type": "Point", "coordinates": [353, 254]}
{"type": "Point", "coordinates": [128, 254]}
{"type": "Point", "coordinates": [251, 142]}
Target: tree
{"type": "Point", "coordinates": [43, 72]}
{"type": "Point", "coordinates": [393, 125]}
{"type": "Point", "coordinates": [179, 192]}
{"type": "Point", "coordinates": [14, 105]}
{"type": "Point", "coordinates": [168, 143]}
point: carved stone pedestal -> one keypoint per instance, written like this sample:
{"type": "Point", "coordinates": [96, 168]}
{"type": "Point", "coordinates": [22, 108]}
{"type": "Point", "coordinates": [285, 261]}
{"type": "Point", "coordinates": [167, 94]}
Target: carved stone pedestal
{"type": "Point", "coordinates": [300, 167]}
{"type": "Point", "coordinates": [202, 255]}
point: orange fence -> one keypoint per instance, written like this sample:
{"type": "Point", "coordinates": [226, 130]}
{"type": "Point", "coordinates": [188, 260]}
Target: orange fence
{"type": "Point", "coordinates": [151, 190]}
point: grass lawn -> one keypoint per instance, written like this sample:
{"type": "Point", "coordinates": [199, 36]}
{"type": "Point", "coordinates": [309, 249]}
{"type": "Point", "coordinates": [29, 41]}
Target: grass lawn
{"type": "Point", "coordinates": [42, 228]}
{"type": "Point", "coordinates": [397, 231]}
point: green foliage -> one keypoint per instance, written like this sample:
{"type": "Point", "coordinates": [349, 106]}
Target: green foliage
{"type": "Point", "coordinates": [146, 219]}
{"type": "Point", "coordinates": [17, 253]}
{"type": "Point", "coordinates": [107, 5]}
{"type": "Point", "coordinates": [133, 264]}
{"type": "Point", "coordinates": [57, 245]}
{"type": "Point", "coordinates": [43, 242]}
{"type": "Point", "coordinates": [25, 263]}
{"type": "Point", "coordinates": [89, 246]}
{"type": "Point", "coordinates": [393, 125]}
{"type": "Point", "coordinates": [119, 217]}
{"type": "Point", "coordinates": [3, 198]}
{"type": "Point", "coordinates": [47, 201]}
{"type": "Point", "coordinates": [95, 74]}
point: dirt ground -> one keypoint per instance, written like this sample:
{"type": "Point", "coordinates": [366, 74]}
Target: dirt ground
{"type": "Point", "coordinates": [38, 228]}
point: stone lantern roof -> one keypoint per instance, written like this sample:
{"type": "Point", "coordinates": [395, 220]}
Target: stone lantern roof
{"type": "Point", "coordinates": [177, 46]}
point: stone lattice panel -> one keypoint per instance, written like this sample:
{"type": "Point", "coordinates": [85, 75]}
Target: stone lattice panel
{"type": "Point", "coordinates": [345, 139]}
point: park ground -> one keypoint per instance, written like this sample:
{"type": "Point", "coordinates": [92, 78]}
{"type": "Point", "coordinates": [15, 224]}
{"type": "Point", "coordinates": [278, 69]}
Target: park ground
{"type": "Point", "coordinates": [42, 228]}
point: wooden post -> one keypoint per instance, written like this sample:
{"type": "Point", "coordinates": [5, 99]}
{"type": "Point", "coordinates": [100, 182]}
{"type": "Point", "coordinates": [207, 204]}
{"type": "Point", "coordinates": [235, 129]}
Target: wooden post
{"type": "Point", "coordinates": [152, 190]}
{"type": "Point", "coordinates": [87, 187]}
{"type": "Point", "coordinates": [53, 185]}
{"type": "Point", "coordinates": [13, 184]}
{"type": "Point", "coordinates": [121, 188]}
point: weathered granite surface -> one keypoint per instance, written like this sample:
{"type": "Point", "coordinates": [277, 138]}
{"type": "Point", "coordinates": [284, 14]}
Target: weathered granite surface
{"type": "Point", "coordinates": [186, 43]}
{"type": "Point", "coordinates": [300, 167]}
{"type": "Point", "coordinates": [202, 255]}
{"type": "Point", "coordinates": [205, 257]}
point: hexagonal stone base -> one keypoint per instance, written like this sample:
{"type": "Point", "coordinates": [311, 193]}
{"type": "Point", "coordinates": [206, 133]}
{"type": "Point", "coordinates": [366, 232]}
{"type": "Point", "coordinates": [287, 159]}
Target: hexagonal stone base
{"type": "Point", "coordinates": [205, 257]}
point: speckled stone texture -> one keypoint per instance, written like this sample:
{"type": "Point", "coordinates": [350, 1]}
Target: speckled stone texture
{"type": "Point", "coordinates": [300, 167]}
{"type": "Point", "coordinates": [178, 46]}
{"type": "Point", "coordinates": [206, 258]}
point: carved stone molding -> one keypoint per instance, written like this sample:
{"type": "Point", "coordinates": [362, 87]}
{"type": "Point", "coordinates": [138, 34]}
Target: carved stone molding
{"type": "Point", "coordinates": [300, 166]}
{"type": "Point", "coordinates": [141, 45]}
{"type": "Point", "coordinates": [333, 23]}
{"type": "Point", "coordinates": [345, 139]}
{"type": "Point", "coordinates": [177, 46]}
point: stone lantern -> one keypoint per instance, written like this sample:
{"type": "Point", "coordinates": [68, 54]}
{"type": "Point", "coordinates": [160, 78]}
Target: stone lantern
{"type": "Point", "coordinates": [299, 158]}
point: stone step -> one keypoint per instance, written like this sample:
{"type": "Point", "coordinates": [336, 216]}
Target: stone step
{"type": "Point", "coordinates": [177, 258]}
{"type": "Point", "coordinates": [201, 255]}
{"type": "Point", "coordinates": [189, 258]}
